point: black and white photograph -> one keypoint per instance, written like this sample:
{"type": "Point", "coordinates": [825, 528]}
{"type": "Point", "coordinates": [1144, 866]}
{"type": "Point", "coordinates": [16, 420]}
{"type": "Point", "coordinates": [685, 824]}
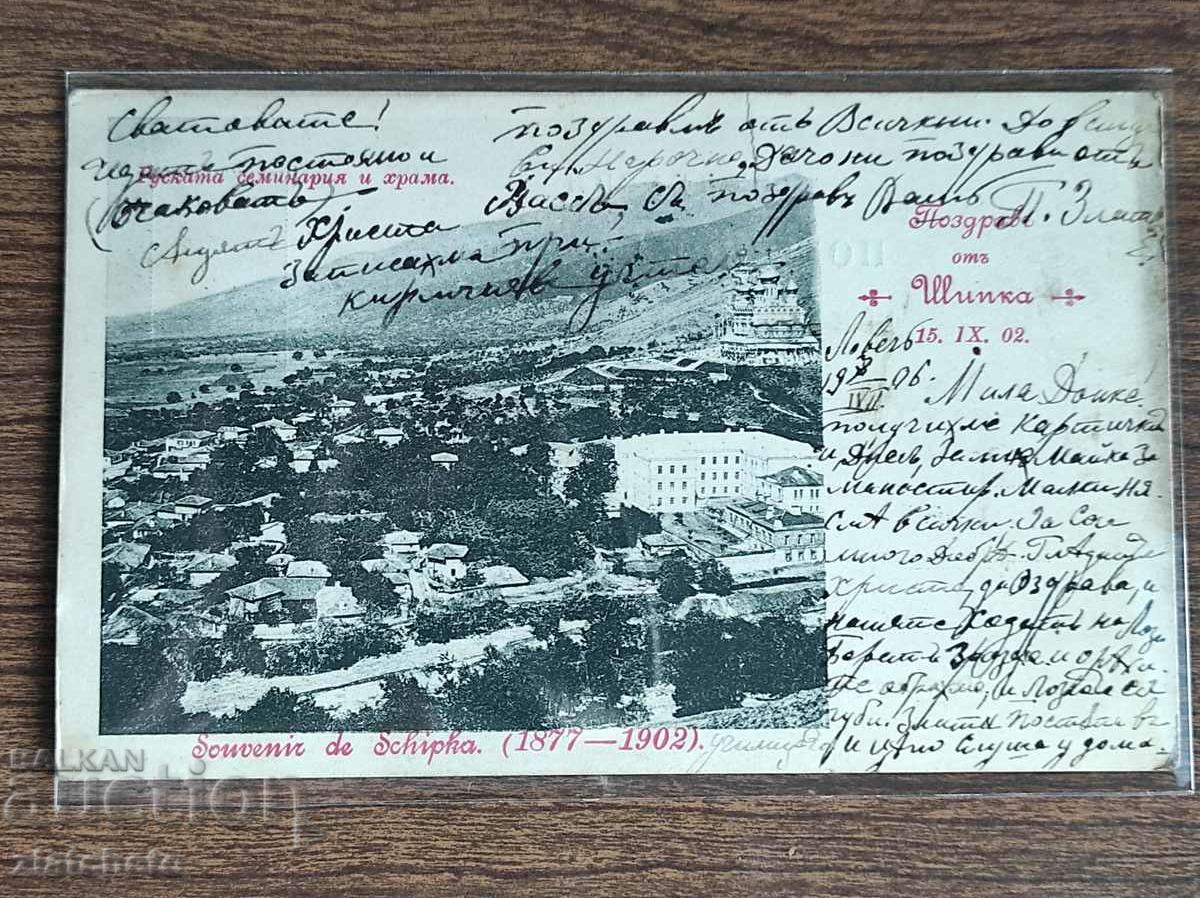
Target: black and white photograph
{"type": "Point", "coordinates": [533, 512]}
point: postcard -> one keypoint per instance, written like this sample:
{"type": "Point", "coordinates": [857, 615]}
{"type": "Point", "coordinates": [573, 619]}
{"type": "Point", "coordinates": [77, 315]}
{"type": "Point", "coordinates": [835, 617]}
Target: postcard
{"type": "Point", "coordinates": [496, 431]}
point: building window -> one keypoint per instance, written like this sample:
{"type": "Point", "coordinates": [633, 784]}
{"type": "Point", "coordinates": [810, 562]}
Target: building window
{"type": "Point", "coordinates": [671, 485]}
{"type": "Point", "coordinates": [671, 500]}
{"type": "Point", "coordinates": [658, 502]}
{"type": "Point", "coordinates": [684, 471]}
{"type": "Point", "coordinates": [684, 484]}
{"type": "Point", "coordinates": [703, 459]}
{"type": "Point", "coordinates": [737, 475]}
{"type": "Point", "coordinates": [702, 475]}
{"type": "Point", "coordinates": [660, 469]}
{"type": "Point", "coordinates": [660, 486]}
{"type": "Point", "coordinates": [725, 475]}
{"type": "Point", "coordinates": [726, 459]}
{"type": "Point", "coordinates": [701, 491]}
{"type": "Point", "coordinates": [672, 469]}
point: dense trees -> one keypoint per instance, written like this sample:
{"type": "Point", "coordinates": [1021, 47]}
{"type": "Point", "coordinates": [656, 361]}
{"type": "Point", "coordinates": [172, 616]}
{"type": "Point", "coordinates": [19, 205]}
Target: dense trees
{"type": "Point", "coordinates": [341, 547]}
{"type": "Point", "coordinates": [210, 531]}
{"type": "Point", "coordinates": [141, 686]}
{"type": "Point", "coordinates": [237, 473]}
{"type": "Point", "coordinates": [497, 502]}
{"type": "Point", "coordinates": [538, 536]}
{"type": "Point", "coordinates": [675, 580]}
{"type": "Point", "coordinates": [588, 482]}
{"type": "Point", "coordinates": [438, 626]}
{"type": "Point", "coordinates": [110, 587]}
{"type": "Point", "coordinates": [496, 694]}
{"type": "Point", "coordinates": [242, 649]}
{"type": "Point", "coordinates": [712, 576]}
{"type": "Point", "coordinates": [404, 706]}
{"type": "Point", "coordinates": [279, 711]}
{"type": "Point", "coordinates": [714, 662]}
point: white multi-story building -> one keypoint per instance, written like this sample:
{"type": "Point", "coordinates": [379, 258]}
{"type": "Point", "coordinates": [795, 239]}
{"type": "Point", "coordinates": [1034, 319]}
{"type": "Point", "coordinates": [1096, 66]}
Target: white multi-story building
{"type": "Point", "coordinates": [676, 472]}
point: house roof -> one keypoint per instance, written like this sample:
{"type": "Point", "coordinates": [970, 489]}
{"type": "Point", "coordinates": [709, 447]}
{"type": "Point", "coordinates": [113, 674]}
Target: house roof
{"type": "Point", "coordinates": [387, 432]}
{"type": "Point", "coordinates": [136, 510]}
{"type": "Point", "coordinates": [588, 375]}
{"type": "Point", "coordinates": [325, 517]}
{"type": "Point", "coordinates": [660, 540]}
{"type": "Point", "coordinates": [193, 501]}
{"type": "Point", "coordinates": [162, 595]}
{"type": "Point", "coordinates": [443, 456]}
{"type": "Point", "coordinates": [400, 538]}
{"type": "Point", "coordinates": [342, 403]}
{"type": "Point", "coordinates": [272, 530]}
{"type": "Point", "coordinates": [499, 575]}
{"type": "Point", "coordinates": [266, 500]}
{"type": "Point", "coordinates": [384, 566]}
{"type": "Point", "coordinates": [211, 563]}
{"type": "Point", "coordinates": [276, 423]}
{"type": "Point", "coordinates": [128, 625]}
{"type": "Point", "coordinates": [446, 551]}
{"type": "Point", "coordinates": [176, 596]}
{"type": "Point", "coordinates": [125, 554]}
{"type": "Point", "coordinates": [193, 622]}
{"type": "Point", "coordinates": [795, 476]}
{"type": "Point", "coordinates": [259, 589]}
{"type": "Point", "coordinates": [289, 589]}
{"type": "Point", "coordinates": [192, 458]}
{"type": "Point", "coordinates": [337, 601]}
{"type": "Point", "coordinates": [191, 435]}
{"type": "Point", "coordinates": [772, 516]}
{"type": "Point", "coordinates": [308, 569]}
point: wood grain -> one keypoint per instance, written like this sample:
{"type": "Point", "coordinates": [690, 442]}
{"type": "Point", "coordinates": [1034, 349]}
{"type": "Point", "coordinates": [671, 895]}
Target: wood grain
{"type": "Point", "coordinates": [1054, 847]}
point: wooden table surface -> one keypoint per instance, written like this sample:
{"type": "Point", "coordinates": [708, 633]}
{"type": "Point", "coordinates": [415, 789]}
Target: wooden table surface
{"type": "Point", "coordinates": [1054, 847]}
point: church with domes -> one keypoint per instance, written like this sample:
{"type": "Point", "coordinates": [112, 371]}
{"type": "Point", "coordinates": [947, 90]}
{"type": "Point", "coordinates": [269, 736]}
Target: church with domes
{"type": "Point", "coordinates": [767, 320]}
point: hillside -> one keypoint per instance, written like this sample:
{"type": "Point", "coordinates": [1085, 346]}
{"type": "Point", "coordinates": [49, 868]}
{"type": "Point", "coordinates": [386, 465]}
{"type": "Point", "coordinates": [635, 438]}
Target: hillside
{"type": "Point", "coordinates": [656, 247]}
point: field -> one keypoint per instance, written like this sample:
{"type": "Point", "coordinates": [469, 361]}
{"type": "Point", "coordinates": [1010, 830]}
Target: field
{"type": "Point", "coordinates": [145, 382]}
